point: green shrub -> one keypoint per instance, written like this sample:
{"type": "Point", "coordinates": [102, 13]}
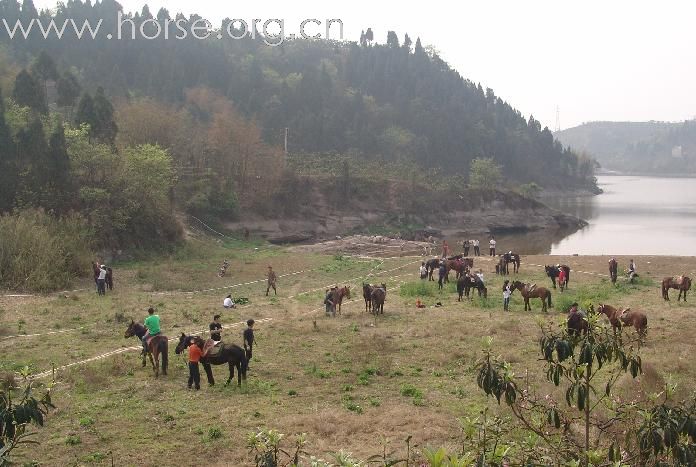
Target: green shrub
{"type": "Point", "coordinates": [40, 253]}
{"type": "Point", "coordinates": [418, 289]}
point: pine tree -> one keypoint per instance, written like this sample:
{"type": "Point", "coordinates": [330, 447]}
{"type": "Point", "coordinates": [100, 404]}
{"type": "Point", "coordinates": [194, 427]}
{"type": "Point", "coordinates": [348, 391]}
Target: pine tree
{"type": "Point", "coordinates": [392, 40]}
{"type": "Point", "coordinates": [68, 90]}
{"type": "Point", "coordinates": [418, 50]}
{"type": "Point", "coordinates": [369, 36]}
{"type": "Point", "coordinates": [105, 128]}
{"type": "Point", "coordinates": [8, 164]}
{"type": "Point", "coordinates": [44, 69]}
{"type": "Point", "coordinates": [407, 42]}
{"type": "Point", "coordinates": [29, 93]}
{"type": "Point", "coordinates": [85, 112]}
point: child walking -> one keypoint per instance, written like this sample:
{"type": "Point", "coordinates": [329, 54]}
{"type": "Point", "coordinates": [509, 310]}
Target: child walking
{"type": "Point", "coordinates": [194, 374]}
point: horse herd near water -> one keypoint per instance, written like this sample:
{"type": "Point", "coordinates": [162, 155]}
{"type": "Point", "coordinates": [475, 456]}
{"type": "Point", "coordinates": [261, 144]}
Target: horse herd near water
{"type": "Point", "coordinates": [375, 297]}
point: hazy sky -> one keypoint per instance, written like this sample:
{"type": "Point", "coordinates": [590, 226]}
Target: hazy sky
{"type": "Point", "coordinates": [595, 60]}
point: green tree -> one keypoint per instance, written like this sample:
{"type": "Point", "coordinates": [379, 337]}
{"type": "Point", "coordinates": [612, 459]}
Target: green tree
{"type": "Point", "coordinates": [85, 111]}
{"type": "Point", "coordinates": [68, 89]}
{"type": "Point", "coordinates": [29, 93]}
{"type": "Point", "coordinates": [392, 40]}
{"type": "Point", "coordinates": [105, 127]}
{"type": "Point", "coordinates": [8, 164]}
{"type": "Point", "coordinates": [484, 173]}
{"type": "Point", "coordinates": [44, 69]}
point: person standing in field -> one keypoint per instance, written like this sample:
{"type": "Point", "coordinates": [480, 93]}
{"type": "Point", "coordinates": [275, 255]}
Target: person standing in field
{"type": "Point", "coordinates": [195, 353]}
{"type": "Point", "coordinates": [445, 249]}
{"type": "Point", "coordinates": [477, 250]}
{"type": "Point", "coordinates": [271, 276]}
{"type": "Point", "coordinates": [249, 339]}
{"type": "Point", "coordinates": [441, 273]}
{"type": "Point", "coordinates": [506, 296]}
{"type": "Point", "coordinates": [423, 271]}
{"type": "Point", "coordinates": [101, 280]}
{"type": "Point", "coordinates": [465, 245]}
{"type": "Point", "coordinates": [491, 245]}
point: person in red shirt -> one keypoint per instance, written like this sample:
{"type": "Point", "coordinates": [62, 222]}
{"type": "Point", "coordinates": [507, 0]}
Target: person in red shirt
{"type": "Point", "coordinates": [194, 357]}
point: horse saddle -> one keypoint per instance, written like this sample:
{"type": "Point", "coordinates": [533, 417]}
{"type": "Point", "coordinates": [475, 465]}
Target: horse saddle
{"type": "Point", "coordinates": [211, 348]}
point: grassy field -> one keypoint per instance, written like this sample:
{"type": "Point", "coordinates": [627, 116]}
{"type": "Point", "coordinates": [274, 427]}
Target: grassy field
{"type": "Point", "coordinates": [352, 382]}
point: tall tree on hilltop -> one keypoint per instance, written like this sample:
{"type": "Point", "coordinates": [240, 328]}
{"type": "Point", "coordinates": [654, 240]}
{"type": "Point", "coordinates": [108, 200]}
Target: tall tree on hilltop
{"type": "Point", "coordinates": [418, 50]}
{"type": "Point", "coordinates": [8, 164]}
{"type": "Point", "coordinates": [392, 40]}
{"type": "Point", "coordinates": [407, 42]}
{"type": "Point", "coordinates": [44, 69]}
{"type": "Point", "coordinates": [29, 93]}
{"type": "Point", "coordinates": [369, 36]}
{"type": "Point", "coordinates": [105, 129]}
{"type": "Point", "coordinates": [68, 90]}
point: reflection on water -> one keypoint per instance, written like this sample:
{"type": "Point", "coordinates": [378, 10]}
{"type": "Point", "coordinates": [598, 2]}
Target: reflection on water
{"type": "Point", "coordinates": [634, 215]}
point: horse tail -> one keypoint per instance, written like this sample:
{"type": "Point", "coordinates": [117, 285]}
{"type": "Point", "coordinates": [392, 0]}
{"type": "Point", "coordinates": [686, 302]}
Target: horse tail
{"type": "Point", "coordinates": [244, 364]}
{"type": "Point", "coordinates": [164, 350]}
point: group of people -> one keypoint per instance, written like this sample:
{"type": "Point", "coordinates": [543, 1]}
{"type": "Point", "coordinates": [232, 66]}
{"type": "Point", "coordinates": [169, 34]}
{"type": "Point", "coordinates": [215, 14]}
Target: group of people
{"type": "Point", "coordinates": [467, 245]}
{"type": "Point", "coordinates": [195, 353]}
{"type": "Point", "coordinates": [614, 270]}
{"type": "Point", "coordinates": [103, 278]}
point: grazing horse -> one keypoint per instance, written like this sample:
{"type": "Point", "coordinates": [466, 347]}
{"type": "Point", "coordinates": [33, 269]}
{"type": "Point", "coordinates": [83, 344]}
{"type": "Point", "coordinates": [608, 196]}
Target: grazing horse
{"type": "Point", "coordinates": [538, 292]}
{"type": "Point", "coordinates": [432, 265]}
{"type": "Point", "coordinates": [231, 354]}
{"type": "Point", "coordinates": [577, 324]}
{"type": "Point", "coordinates": [613, 270]}
{"type": "Point", "coordinates": [379, 295]}
{"type": "Point", "coordinates": [467, 282]}
{"type": "Point", "coordinates": [156, 345]}
{"type": "Point", "coordinates": [554, 271]}
{"type": "Point", "coordinates": [337, 296]}
{"type": "Point", "coordinates": [681, 283]}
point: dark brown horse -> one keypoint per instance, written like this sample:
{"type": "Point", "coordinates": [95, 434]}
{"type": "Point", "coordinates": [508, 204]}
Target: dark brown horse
{"type": "Point", "coordinates": [337, 295]}
{"type": "Point", "coordinates": [430, 266]}
{"type": "Point", "coordinates": [513, 258]}
{"type": "Point", "coordinates": [538, 292]}
{"type": "Point", "coordinates": [554, 271]}
{"type": "Point", "coordinates": [467, 282]}
{"type": "Point", "coordinates": [459, 265]}
{"type": "Point", "coordinates": [367, 295]}
{"type": "Point", "coordinates": [613, 270]}
{"type": "Point", "coordinates": [577, 324]}
{"type": "Point", "coordinates": [379, 295]}
{"type": "Point", "coordinates": [681, 283]}
{"type": "Point", "coordinates": [155, 346]}
{"type": "Point", "coordinates": [231, 354]}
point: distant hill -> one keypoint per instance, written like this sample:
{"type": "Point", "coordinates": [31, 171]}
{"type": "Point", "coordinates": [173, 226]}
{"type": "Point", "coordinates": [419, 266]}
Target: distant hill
{"type": "Point", "coordinates": [391, 102]}
{"type": "Point", "coordinates": [636, 147]}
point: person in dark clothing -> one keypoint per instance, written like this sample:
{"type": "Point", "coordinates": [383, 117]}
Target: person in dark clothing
{"type": "Point", "coordinates": [216, 326]}
{"type": "Point", "coordinates": [441, 273]}
{"type": "Point", "coordinates": [465, 244]}
{"type": "Point", "coordinates": [109, 278]}
{"type": "Point", "coordinates": [249, 338]}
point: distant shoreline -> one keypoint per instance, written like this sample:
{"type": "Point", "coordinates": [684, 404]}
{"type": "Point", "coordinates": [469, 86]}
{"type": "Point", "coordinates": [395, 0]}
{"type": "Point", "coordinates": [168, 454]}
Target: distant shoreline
{"type": "Point", "coordinates": [642, 174]}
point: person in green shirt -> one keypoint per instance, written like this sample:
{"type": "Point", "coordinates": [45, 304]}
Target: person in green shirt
{"type": "Point", "coordinates": [152, 323]}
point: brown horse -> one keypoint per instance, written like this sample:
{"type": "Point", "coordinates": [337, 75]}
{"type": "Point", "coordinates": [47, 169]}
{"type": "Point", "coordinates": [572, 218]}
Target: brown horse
{"type": "Point", "coordinates": [613, 314]}
{"type": "Point", "coordinates": [513, 258]}
{"type": "Point", "coordinates": [613, 270]}
{"type": "Point", "coordinates": [681, 283]}
{"type": "Point", "coordinates": [577, 324]}
{"type": "Point", "coordinates": [155, 346]}
{"type": "Point", "coordinates": [379, 295]}
{"type": "Point", "coordinates": [338, 294]}
{"type": "Point", "coordinates": [636, 319]}
{"type": "Point", "coordinates": [459, 265]}
{"type": "Point", "coordinates": [538, 292]}
{"type": "Point", "coordinates": [367, 295]}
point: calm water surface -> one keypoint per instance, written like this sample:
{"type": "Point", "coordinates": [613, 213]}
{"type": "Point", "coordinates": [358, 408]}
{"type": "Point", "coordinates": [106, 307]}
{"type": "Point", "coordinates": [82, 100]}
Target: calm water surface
{"type": "Point", "coordinates": [634, 216]}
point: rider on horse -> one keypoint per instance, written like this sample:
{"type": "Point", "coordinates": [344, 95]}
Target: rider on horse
{"type": "Point", "coordinates": [152, 323]}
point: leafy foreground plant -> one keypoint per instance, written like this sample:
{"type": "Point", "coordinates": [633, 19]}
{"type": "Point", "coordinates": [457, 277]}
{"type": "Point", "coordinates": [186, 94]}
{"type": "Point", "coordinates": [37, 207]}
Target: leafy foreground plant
{"type": "Point", "coordinates": [16, 415]}
{"type": "Point", "coordinates": [593, 427]}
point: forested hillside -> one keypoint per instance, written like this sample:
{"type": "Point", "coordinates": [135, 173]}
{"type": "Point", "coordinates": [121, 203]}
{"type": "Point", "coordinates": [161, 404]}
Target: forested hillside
{"type": "Point", "coordinates": [637, 147]}
{"type": "Point", "coordinates": [395, 101]}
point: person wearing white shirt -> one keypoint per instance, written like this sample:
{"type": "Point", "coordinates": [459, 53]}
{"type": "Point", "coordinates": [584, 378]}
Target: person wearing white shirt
{"type": "Point", "coordinates": [507, 292]}
{"type": "Point", "coordinates": [228, 303]}
{"type": "Point", "coordinates": [492, 246]}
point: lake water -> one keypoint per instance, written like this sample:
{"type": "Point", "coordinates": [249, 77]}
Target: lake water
{"type": "Point", "coordinates": [635, 215]}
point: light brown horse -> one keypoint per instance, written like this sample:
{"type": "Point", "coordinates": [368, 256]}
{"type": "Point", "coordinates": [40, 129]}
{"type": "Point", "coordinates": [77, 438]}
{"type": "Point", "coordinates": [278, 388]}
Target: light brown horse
{"type": "Point", "coordinates": [459, 265]}
{"type": "Point", "coordinates": [619, 318]}
{"type": "Point", "coordinates": [682, 283]}
{"type": "Point", "coordinates": [337, 296]}
{"type": "Point", "coordinates": [538, 292]}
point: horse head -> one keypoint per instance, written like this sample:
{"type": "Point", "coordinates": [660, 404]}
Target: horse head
{"type": "Point", "coordinates": [347, 289]}
{"type": "Point", "coordinates": [130, 330]}
{"type": "Point", "coordinates": [183, 343]}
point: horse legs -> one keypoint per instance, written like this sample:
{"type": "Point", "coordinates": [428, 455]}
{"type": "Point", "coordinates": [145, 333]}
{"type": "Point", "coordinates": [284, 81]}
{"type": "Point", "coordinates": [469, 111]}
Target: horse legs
{"type": "Point", "coordinates": [231, 365]}
{"type": "Point", "coordinates": [209, 373]}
